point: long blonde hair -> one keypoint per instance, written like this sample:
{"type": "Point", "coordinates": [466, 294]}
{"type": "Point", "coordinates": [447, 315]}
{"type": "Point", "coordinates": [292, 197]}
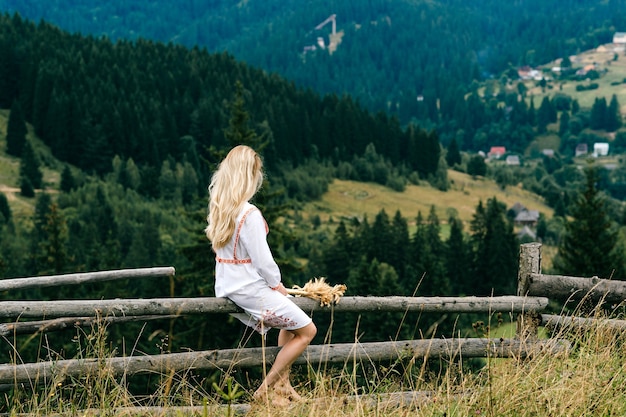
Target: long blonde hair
{"type": "Point", "coordinates": [237, 179]}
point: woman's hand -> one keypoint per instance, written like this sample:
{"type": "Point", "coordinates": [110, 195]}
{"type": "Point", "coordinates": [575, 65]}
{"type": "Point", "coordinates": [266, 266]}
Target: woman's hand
{"type": "Point", "coordinates": [281, 289]}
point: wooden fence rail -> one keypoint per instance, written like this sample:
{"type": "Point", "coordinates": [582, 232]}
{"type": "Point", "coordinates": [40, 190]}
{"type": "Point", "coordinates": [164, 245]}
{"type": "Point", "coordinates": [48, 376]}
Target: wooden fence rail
{"type": "Point", "coordinates": [225, 359]}
{"type": "Point", "coordinates": [213, 305]}
{"type": "Point", "coordinates": [81, 278]}
{"type": "Point", "coordinates": [531, 282]}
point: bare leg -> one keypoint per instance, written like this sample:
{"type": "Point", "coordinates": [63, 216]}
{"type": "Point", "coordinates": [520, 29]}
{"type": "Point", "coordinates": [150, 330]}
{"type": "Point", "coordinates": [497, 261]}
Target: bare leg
{"type": "Point", "coordinates": [283, 385]}
{"type": "Point", "coordinates": [295, 342]}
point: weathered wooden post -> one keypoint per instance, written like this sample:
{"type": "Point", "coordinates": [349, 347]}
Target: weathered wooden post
{"type": "Point", "coordinates": [529, 264]}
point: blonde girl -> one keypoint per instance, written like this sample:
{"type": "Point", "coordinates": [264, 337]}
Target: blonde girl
{"type": "Point", "coordinates": [245, 270]}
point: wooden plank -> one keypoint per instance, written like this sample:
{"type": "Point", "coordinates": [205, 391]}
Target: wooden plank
{"type": "Point", "coordinates": [554, 321]}
{"type": "Point", "coordinates": [45, 372]}
{"type": "Point", "coordinates": [30, 327]}
{"type": "Point", "coordinates": [81, 278]}
{"type": "Point", "coordinates": [213, 305]}
{"type": "Point", "coordinates": [560, 287]}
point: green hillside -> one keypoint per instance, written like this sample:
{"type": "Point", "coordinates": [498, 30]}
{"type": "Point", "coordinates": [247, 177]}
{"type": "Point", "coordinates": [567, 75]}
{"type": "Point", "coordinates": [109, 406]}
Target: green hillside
{"type": "Point", "coordinates": [344, 199]}
{"type": "Point", "coordinates": [608, 60]}
{"type": "Point", "coordinates": [10, 166]}
{"type": "Point", "coordinates": [348, 199]}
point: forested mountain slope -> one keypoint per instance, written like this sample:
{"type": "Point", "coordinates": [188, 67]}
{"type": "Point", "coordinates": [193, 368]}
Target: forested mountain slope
{"type": "Point", "coordinates": [90, 99]}
{"type": "Point", "coordinates": [389, 53]}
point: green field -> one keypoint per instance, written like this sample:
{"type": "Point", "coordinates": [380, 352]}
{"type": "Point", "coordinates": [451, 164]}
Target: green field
{"type": "Point", "coordinates": [350, 199]}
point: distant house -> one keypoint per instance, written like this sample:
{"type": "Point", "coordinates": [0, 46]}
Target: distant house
{"type": "Point", "coordinates": [619, 38]}
{"type": "Point", "coordinates": [548, 152]}
{"type": "Point", "coordinates": [600, 149]}
{"type": "Point", "coordinates": [528, 73]}
{"type": "Point", "coordinates": [581, 72]}
{"type": "Point", "coordinates": [496, 152]}
{"type": "Point", "coordinates": [527, 218]}
{"type": "Point", "coordinates": [512, 160]}
{"type": "Point", "coordinates": [581, 149]}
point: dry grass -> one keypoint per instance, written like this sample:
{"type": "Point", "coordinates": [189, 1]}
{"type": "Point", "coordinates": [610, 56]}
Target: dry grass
{"type": "Point", "coordinates": [350, 199]}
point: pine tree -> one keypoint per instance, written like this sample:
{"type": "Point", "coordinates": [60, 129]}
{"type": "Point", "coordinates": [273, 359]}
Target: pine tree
{"type": "Point", "coordinates": [238, 131]}
{"type": "Point", "coordinates": [5, 209]}
{"type": "Point", "coordinates": [43, 203]}
{"type": "Point", "coordinates": [338, 254]}
{"type": "Point", "coordinates": [380, 238]}
{"type": "Point", "coordinates": [613, 116]}
{"type": "Point", "coordinates": [52, 255]}
{"type": "Point", "coordinates": [545, 115]}
{"type": "Point", "coordinates": [426, 259]}
{"type": "Point", "coordinates": [68, 182]}
{"type": "Point", "coordinates": [598, 114]}
{"type": "Point", "coordinates": [590, 244]}
{"type": "Point", "coordinates": [26, 188]}
{"type": "Point", "coordinates": [436, 251]}
{"type": "Point", "coordinates": [29, 167]}
{"type": "Point", "coordinates": [477, 166]}
{"type": "Point", "coordinates": [564, 123]}
{"type": "Point", "coordinates": [16, 130]}
{"type": "Point", "coordinates": [400, 241]}
{"type": "Point", "coordinates": [456, 259]}
{"type": "Point", "coordinates": [494, 250]}
{"type": "Point", "coordinates": [371, 278]}
{"type": "Point", "coordinates": [453, 156]}
{"type": "Point", "coordinates": [502, 249]}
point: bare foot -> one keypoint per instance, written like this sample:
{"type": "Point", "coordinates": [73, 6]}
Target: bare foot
{"type": "Point", "coordinates": [271, 397]}
{"type": "Point", "coordinates": [287, 390]}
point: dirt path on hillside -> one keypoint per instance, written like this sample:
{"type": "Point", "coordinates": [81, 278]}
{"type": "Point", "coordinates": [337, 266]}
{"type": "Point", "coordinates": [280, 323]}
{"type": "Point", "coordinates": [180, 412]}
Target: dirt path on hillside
{"type": "Point", "coordinates": [10, 192]}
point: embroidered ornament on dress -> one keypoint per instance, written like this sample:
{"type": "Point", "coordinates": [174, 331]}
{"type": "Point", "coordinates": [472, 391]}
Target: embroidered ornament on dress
{"type": "Point", "coordinates": [319, 290]}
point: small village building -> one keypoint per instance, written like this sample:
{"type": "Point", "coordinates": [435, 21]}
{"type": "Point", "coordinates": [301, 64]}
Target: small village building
{"type": "Point", "coordinates": [600, 149]}
{"type": "Point", "coordinates": [496, 152]}
{"type": "Point", "coordinates": [528, 73]}
{"type": "Point", "coordinates": [512, 160]}
{"type": "Point", "coordinates": [548, 152]}
{"type": "Point", "coordinates": [581, 149]}
{"type": "Point", "coordinates": [619, 38]}
{"type": "Point", "coordinates": [584, 70]}
{"type": "Point", "coordinates": [527, 218]}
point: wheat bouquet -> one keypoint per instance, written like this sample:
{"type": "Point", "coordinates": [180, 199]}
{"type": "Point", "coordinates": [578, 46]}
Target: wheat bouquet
{"type": "Point", "coordinates": [319, 289]}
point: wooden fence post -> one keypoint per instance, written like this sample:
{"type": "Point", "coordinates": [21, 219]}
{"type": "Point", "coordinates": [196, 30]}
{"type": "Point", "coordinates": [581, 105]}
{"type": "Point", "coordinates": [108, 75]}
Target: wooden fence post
{"type": "Point", "coordinates": [529, 263]}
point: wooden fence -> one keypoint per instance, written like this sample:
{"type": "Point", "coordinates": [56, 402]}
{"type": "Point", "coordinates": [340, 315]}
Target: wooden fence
{"type": "Point", "coordinates": [532, 298]}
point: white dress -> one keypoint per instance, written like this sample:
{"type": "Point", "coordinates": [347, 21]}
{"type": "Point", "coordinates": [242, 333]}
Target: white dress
{"type": "Point", "coordinates": [245, 272]}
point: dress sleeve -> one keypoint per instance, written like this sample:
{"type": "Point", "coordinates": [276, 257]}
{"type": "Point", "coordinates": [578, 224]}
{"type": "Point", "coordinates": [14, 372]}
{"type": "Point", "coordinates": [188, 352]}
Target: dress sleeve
{"type": "Point", "coordinates": [254, 238]}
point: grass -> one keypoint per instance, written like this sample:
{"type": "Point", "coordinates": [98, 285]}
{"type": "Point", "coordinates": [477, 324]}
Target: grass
{"type": "Point", "coordinates": [586, 381]}
{"type": "Point", "coordinates": [350, 199]}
